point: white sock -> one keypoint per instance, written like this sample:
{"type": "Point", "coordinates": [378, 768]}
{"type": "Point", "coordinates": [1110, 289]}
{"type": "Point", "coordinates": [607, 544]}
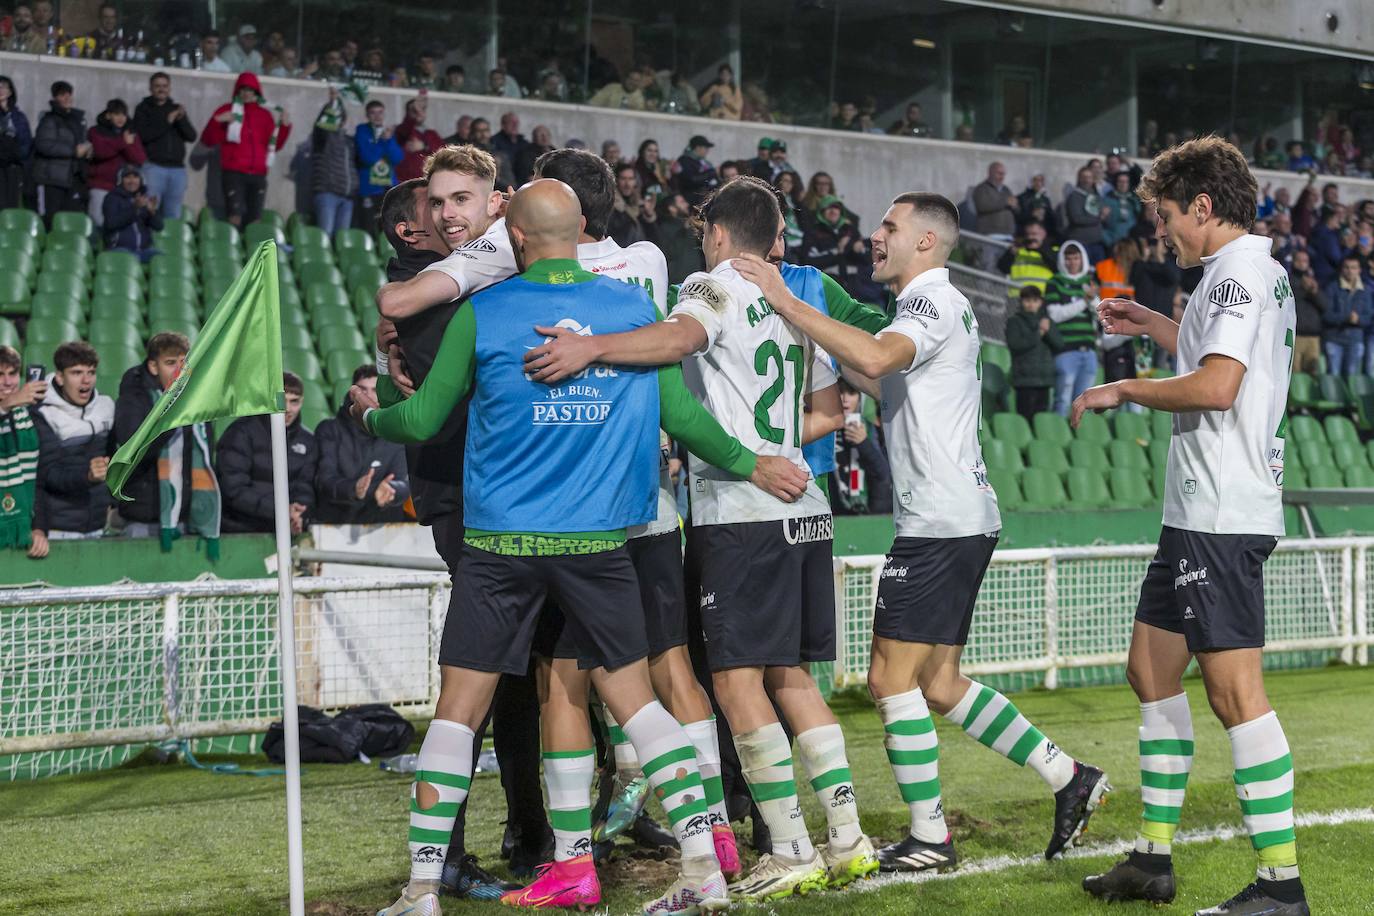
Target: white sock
{"type": "Point", "coordinates": [568, 780]}
{"type": "Point", "coordinates": [914, 753]}
{"type": "Point", "coordinates": [766, 759]}
{"type": "Point", "coordinates": [669, 762]}
{"type": "Point", "coordinates": [1166, 758]}
{"type": "Point", "coordinates": [822, 755]}
{"type": "Point", "coordinates": [707, 744]}
{"type": "Point", "coordinates": [1264, 785]}
{"type": "Point", "coordinates": [445, 762]}
{"type": "Point", "coordinates": [626, 761]}
{"type": "Point", "coordinates": [995, 722]}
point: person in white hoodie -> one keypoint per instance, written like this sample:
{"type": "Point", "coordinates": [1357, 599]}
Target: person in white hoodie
{"type": "Point", "coordinates": [1069, 299]}
{"type": "Point", "coordinates": [74, 423]}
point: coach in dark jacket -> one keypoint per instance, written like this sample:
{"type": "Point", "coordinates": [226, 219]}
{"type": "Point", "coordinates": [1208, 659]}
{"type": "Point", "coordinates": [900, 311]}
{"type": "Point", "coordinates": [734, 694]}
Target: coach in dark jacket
{"type": "Point", "coordinates": [244, 463]}
{"type": "Point", "coordinates": [360, 479]}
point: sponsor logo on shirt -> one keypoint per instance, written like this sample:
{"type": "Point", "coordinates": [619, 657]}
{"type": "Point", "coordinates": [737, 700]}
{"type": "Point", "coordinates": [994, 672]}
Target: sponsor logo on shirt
{"type": "Point", "coordinates": [895, 572]}
{"type": "Point", "coordinates": [483, 245]}
{"type": "Point", "coordinates": [1188, 576]}
{"type": "Point", "coordinates": [1188, 613]}
{"type": "Point", "coordinates": [919, 308]}
{"type": "Point", "coordinates": [808, 530]}
{"type": "Point", "coordinates": [1190, 486]}
{"type": "Point", "coordinates": [707, 291]}
{"type": "Point", "coordinates": [1228, 296]}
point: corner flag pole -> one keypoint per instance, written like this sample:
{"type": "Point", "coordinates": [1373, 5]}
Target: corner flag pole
{"type": "Point", "coordinates": [287, 627]}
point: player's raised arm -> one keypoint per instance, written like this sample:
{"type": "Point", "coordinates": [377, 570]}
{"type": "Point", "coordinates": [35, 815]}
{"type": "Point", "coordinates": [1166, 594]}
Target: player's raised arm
{"type": "Point", "coordinates": [404, 298]}
{"type": "Point", "coordinates": [663, 343]}
{"type": "Point", "coordinates": [873, 356]}
{"type": "Point", "coordinates": [421, 416]}
{"type": "Point", "coordinates": [824, 413]}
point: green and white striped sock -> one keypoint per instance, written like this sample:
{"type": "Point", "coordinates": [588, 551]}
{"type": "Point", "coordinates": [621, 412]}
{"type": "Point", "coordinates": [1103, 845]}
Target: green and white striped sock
{"type": "Point", "coordinates": [626, 762]}
{"type": "Point", "coordinates": [1264, 785]}
{"type": "Point", "coordinates": [1166, 758]}
{"type": "Point", "coordinates": [914, 753]}
{"type": "Point", "coordinates": [766, 759]}
{"type": "Point", "coordinates": [707, 744]}
{"type": "Point", "coordinates": [568, 781]}
{"type": "Point", "coordinates": [822, 755]}
{"type": "Point", "coordinates": [445, 762]}
{"type": "Point", "coordinates": [670, 764]}
{"type": "Point", "coordinates": [995, 722]}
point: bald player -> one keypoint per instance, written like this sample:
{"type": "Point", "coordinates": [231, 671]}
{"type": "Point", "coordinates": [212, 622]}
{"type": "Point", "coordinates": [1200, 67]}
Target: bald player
{"type": "Point", "coordinates": [564, 472]}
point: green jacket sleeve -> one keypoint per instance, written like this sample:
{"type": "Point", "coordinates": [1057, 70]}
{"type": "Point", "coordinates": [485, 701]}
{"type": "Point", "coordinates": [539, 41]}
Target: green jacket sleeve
{"type": "Point", "coordinates": [421, 416]}
{"type": "Point", "coordinates": [846, 309]}
{"type": "Point", "coordinates": [684, 419]}
{"type": "Point", "coordinates": [387, 392]}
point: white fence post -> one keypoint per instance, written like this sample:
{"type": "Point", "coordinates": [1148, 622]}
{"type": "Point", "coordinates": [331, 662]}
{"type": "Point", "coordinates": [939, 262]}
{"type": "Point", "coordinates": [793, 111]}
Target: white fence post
{"type": "Point", "coordinates": [171, 660]}
{"type": "Point", "coordinates": [1051, 623]}
{"type": "Point", "coordinates": [1362, 604]}
{"type": "Point", "coordinates": [1347, 600]}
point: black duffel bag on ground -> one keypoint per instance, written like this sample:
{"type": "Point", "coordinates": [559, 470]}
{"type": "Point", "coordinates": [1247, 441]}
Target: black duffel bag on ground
{"type": "Point", "coordinates": [375, 730]}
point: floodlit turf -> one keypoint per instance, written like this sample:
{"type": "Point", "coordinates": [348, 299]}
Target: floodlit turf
{"type": "Point", "coordinates": [168, 839]}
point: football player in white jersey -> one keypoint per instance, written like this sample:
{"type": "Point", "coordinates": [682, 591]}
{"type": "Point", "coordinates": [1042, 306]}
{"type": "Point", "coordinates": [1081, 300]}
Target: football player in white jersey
{"type": "Point", "coordinates": [947, 523]}
{"type": "Point", "coordinates": [1203, 594]}
{"type": "Point", "coordinates": [767, 596]}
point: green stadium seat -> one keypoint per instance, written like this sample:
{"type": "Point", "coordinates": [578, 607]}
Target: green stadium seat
{"type": "Point", "coordinates": [353, 238]}
{"type": "Point", "coordinates": [1302, 391]}
{"type": "Point", "coordinates": [1361, 393]}
{"type": "Point", "coordinates": [296, 337]}
{"type": "Point", "coordinates": [273, 218]}
{"type": "Point", "coordinates": [177, 229]}
{"type": "Point", "coordinates": [62, 263]}
{"type": "Point", "coordinates": [1008, 491]}
{"type": "Point", "coordinates": [58, 329]}
{"type": "Point", "coordinates": [1315, 454]}
{"type": "Point", "coordinates": [1087, 489]}
{"type": "Point", "coordinates": [1012, 429]}
{"type": "Point", "coordinates": [120, 333]}
{"type": "Point", "coordinates": [1047, 456]}
{"type": "Point", "coordinates": [1159, 454]}
{"type": "Point", "coordinates": [1340, 429]}
{"type": "Point", "coordinates": [1088, 455]}
{"type": "Point", "coordinates": [1125, 455]}
{"type": "Point", "coordinates": [330, 338]}
{"type": "Point", "coordinates": [39, 352]}
{"type": "Point", "coordinates": [1131, 489]}
{"type": "Point", "coordinates": [996, 391]}
{"type": "Point", "coordinates": [1294, 478]}
{"type": "Point", "coordinates": [1000, 456]}
{"type": "Point", "coordinates": [115, 360]}
{"type": "Point", "coordinates": [214, 289]}
{"type": "Point", "coordinates": [332, 316]}
{"type": "Point", "coordinates": [20, 241]}
{"type": "Point", "coordinates": [56, 305]}
{"type": "Point", "coordinates": [368, 277]}
{"type": "Point", "coordinates": [216, 230]}
{"type": "Point", "coordinates": [118, 262]}
{"type": "Point", "coordinates": [71, 285]}
{"type": "Point", "coordinates": [303, 256]}
{"type": "Point", "coordinates": [9, 334]}
{"type": "Point", "coordinates": [997, 355]}
{"type": "Point", "coordinates": [115, 308]}
{"type": "Point", "coordinates": [384, 249]}
{"type": "Point", "coordinates": [326, 295]}
{"type": "Point", "coordinates": [14, 293]}
{"type": "Point", "coordinates": [173, 309]}
{"type": "Point", "coordinates": [116, 285]}
{"type": "Point", "coordinates": [339, 391]}
{"type": "Point", "coordinates": [1093, 427]}
{"type": "Point", "coordinates": [1305, 429]}
{"type": "Point", "coordinates": [173, 289]}
{"type": "Point", "coordinates": [304, 363]}
{"type": "Point", "coordinates": [317, 272]}
{"type": "Point", "coordinates": [167, 265]}
{"type": "Point", "coordinates": [191, 329]}
{"type": "Point", "coordinates": [1346, 455]}
{"type": "Point", "coordinates": [73, 222]}
{"type": "Point", "coordinates": [1051, 427]}
{"type": "Point", "coordinates": [19, 220]}
{"type": "Point", "coordinates": [1332, 394]}
{"type": "Point", "coordinates": [1291, 458]}
{"type": "Point", "coordinates": [70, 243]}
{"type": "Point", "coordinates": [257, 233]}
{"type": "Point", "coordinates": [1359, 476]}
{"type": "Point", "coordinates": [174, 247]}
{"type": "Point", "coordinates": [219, 250]}
{"type": "Point", "coordinates": [1042, 489]}
{"type": "Point", "coordinates": [365, 306]}
{"type": "Point", "coordinates": [1325, 477]}
{"type": "Point", "coordinates": [294, 313]}
{"type": "Point", "coordinates": [18, 261]}
{"type": "Point", "coordinates": [310, 237]}
{"type": "Point", "coordinates": [339, 365]}
{"type": "Point", "coordinates": [1369, 450]}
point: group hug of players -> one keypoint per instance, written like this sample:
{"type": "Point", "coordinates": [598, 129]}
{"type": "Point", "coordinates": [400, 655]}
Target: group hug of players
{"type": "Point", "coordinates": [561, 354]}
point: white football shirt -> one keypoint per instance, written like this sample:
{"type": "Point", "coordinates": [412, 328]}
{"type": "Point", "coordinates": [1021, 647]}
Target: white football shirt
{"type": "Point", "coordinates": [932, 411]}
{"type": "Point", "coordinates": [1225, 472]}
{"type": "Point", "coordinates": [752, 376]}
{"type": "Point", "coordinates": [643, 265]}
{"type": "Point", "coordinates": [486, 260]}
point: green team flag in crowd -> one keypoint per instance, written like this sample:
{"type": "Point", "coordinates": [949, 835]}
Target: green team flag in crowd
{"type": "Point", "coordinates": [233, 369]}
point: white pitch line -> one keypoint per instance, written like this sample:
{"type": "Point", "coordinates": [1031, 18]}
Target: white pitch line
{"type": "Point", "coordinates": [1004, 863]}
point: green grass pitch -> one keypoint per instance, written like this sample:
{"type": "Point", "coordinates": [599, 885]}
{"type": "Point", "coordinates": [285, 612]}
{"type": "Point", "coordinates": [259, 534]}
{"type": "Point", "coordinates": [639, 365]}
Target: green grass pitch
{"type": "Point", "coordinates": [172, 840]}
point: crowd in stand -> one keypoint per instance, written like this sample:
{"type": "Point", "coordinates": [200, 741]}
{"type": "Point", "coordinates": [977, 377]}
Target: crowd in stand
{"type": "Point", "coordinates": [58, 433]}
{"type": "Point", "coordinates": [1095, 240]}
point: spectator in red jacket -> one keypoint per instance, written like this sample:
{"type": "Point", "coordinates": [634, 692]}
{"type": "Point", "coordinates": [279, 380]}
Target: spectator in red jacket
{"type": "Point", "coordinates": [113, 145]}
{"type": "Point", "coordinates": [248, 135]}
{"type": "Point", "coordinates": [416, 140]}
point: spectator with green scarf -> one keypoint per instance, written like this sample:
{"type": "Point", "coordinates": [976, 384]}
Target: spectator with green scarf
{"type": "Point", "coordinates": [20, 525]}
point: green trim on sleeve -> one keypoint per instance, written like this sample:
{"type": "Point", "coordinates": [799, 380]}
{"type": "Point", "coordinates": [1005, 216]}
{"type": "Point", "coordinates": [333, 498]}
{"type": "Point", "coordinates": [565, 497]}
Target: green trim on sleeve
{"type": "Point", "coordinates": [846, 309]}
{"type": "Point", "coordinates": [387, 392]}
{"type": "Point", "coordinates": [684, 419]}
{"type": "Point", "coordinates": [421, 416]}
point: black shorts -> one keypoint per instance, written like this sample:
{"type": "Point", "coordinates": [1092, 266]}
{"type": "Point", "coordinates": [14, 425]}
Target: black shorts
{"type": "Point", "coordinates": [657, 561]}
{"type": "Point", "coordinates": [767, 592]}
{"type": "Point", "coordinates": [929, 587]}
{"type": "Point", "coordinates": [497, 603]}
{"type": "Point", "coordinates": [1209, 587]}
{"type": "Point", "coordinates": [243, 195]}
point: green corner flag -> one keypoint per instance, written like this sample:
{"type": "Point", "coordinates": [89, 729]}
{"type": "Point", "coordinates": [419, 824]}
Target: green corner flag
{"type": "Point", "coordinates": [233, 369]}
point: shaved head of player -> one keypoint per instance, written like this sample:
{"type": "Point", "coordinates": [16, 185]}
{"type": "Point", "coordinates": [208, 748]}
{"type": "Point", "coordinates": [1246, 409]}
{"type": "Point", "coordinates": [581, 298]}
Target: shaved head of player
{"type": "Point", "coordinates": [544, 220]}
